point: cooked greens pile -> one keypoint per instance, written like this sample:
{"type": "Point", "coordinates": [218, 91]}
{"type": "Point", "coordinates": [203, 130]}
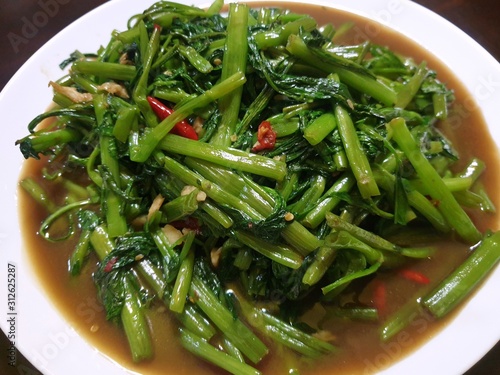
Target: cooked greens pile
{"type": "Point", "coordinates": [240, 168]}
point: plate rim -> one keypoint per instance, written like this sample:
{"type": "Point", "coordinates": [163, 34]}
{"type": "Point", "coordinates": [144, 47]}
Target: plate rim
{"type": "Point", "coordinates": [487, 58]}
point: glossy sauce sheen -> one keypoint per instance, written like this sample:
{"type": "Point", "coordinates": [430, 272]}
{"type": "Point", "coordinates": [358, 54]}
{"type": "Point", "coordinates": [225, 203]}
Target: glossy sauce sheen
{"type": "Point", "coordinates": [361, 351]}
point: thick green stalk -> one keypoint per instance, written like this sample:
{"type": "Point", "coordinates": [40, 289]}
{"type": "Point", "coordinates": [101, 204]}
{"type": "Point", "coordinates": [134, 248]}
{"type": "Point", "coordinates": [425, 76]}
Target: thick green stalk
{"type": "Point", "coordinates": [279, 253]}
{"type": "Point", "coordinates": [195, 59]}
{"type": "Point", "coordinates": [420, 203]}
{"type": "Point", "coordinates": [126, 120]}
{"type": "Point", "coordinates": [44, 140]}
{"type": "Point", "coordinates": [360, 80]}
{"type": "Point", "coordinates": [135, 325]}
{"type": "Point", "coordinates": [453, 184]}
{"type": "Point", "coordinates": [74, 191]}
{"type": "Point", "coordinates": [440, 105]}
{"type": "Point", "coordinates": [310, 196]}
{"type": "Point", "coordinates": [225, 156]}
{"type": "Point", "coordinates": [473, 170]}
{"type": "Point", "coordinates": [463, 280]}
{"type": "Point", "coordinates": [323, 259]}
{"type": "Point", "coordinates": [181, 206]}
{"type": "Point", "coordinates": [132, 316]}
{"type": "Point", "coordinates": [279, 36]}
{"type": "Point", "coordinates": [340, 160]}
{"type": "Point", "coordinates": [212, 190]}
{"type": "Point", "coordinates": [80, 252]}
{"type": "Point", "coordinates": [258, 190]}
{"type": "Point", "coordinates": [217, 214]}
{"type": "Point", "coordinates": [38, 194]}
{"type": "Point", "coordinates": [340, 239]}
{"type": "Point", "coordinates": [190, 317]}
{"type": "Point", "coordinates": [300, 238]}
{"type": "Point", "coordinates": [101, 242]}
{"type": "Point", "coordinates": [242, 337]}
{"type": "Point", "coordinates": [320, 128]}
{"type": "Point", "coordinates": [232, 350]}
{"type": "Point", "coordinates": [406, 94]}
{"type": "Point", "coordinates": [368, 314]}
{"type": "Point", "coordinates": [103, 245]}
{"type": "Point", "coordinates": [284, 127]}
{"type": "Point", "coordinates": [257, 198]}
{"type": "Point", "coordinates": [182, 283]}
{"type": "Point", "coordinates": [173, 95]}
{"type": "Point", "coordinates": [164, 246]}
{"type": "Point", "coordinates": [358, 161]}
{"type": "Point", "coordinates": [287, 185]}
{"type": "Point", "coordinates": [117, 225]}
{"type": "Point", "coordinates": [329, 201]}
{"type": "Point", "coordinates": [448, 205]}
{"type": "Point", "coordinates": [105, 70]}
{"type": "Point", "coordinates": [215, 7]}
{"type": "Point", "coordinates": [149, 50]}
{"type": "Point", "coordinates": [151, 139]}
{"type": "Point", "coordinates": [284, 333]}
{"type": "Point", "coordinates": [234, 61]}
{"type": "Point", "coordinates": [232, 183]}
{"type": "Point", "coordinates": [373, 240]}
{"type": "Point", "coordinates": [350, 277]}
{"type": "Point", "coordinates": [203, 349]}
{"type": "Point", "coordinates": [84, 82]}
{"type": "Point", "coordinates": [243, 259]}
{"type": "Point", "coordinates": [417, 200]}
{"type": "Point", "coordinates": [401, 319]}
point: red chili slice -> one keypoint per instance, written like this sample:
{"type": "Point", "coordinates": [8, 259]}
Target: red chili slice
{"type": "Point", "coordinates": [189, 222]}
{"type": "Point", "coordinates": [266, 137]}
{"type": "Point", "coordinates": [413, 275]}
{"type": "Point", "coordinates": [182, 128]}
{"type": "Point", "coordinates": [109, 266]}
{"type": "Point", "coordinates": [379, 296]}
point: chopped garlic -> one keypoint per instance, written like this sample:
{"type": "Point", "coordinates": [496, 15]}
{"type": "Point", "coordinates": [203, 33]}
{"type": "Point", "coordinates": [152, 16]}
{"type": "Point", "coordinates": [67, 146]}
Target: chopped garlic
{"type": "Point", "coordinates": [215, 256]}
{"type": "Point", "coordinates": [124, 60]}
{"type": "Point", "coordinates": [155, 206]}
{"type": "Point", "coordinates": [198, 124]}
{"type": "Point", "coordinates": [94, 328]}
{"type": "Point", "coordinates": [173, 234]}
{"type": "Point", "coordinates": [114, 89]}
{"type": "Point", "coordinates": [324, 335]}
{"type": "Point", "coordinates": [188, 189]}
{"type": "Point", "coordinates": [71, 93]}
{"type": "Point", "coordinates": [201, 196]}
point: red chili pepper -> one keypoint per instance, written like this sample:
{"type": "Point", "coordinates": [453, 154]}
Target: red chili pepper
{"type": "Point", "coordinates": [413, 275]}
{"type": "Point", "coordinates": [266, 137]}
{"type": "Point", "coordinates": [182, 128]}
{"type": "Point", "coordinates": [109, 266]}
{"type": "Point", "coordinates": [379, 296]}
{"type": "Point", "coordinates": [434, 202]}
{"type": "Point", "coordinates": [189, 222]}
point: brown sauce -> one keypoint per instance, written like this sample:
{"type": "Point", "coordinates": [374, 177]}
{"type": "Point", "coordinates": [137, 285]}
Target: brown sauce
{"type": "Point", "coordinates": [362, 351]}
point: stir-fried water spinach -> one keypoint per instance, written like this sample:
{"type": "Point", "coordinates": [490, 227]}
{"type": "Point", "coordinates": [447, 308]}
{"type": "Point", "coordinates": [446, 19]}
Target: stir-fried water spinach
{"type": "Point", "coordinates": [246, 160]}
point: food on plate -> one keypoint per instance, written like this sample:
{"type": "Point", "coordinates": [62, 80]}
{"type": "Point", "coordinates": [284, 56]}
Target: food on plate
{"type": "Point", "coordinates": [261, 183]}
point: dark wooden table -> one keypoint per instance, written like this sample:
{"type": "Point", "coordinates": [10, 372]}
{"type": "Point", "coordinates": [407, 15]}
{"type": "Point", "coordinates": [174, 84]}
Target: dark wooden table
{"type": "Point", "coordinates": [19, 40]}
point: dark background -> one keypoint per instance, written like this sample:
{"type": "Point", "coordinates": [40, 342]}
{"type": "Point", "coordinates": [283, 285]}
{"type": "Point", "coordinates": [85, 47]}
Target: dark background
{"type": "Point", "coordinates": [478, 18]}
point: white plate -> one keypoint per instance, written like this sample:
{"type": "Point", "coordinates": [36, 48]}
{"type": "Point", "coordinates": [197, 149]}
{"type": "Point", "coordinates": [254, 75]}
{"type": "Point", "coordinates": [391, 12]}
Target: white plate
{"type": "Point", "coordinates": [45, 338]}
